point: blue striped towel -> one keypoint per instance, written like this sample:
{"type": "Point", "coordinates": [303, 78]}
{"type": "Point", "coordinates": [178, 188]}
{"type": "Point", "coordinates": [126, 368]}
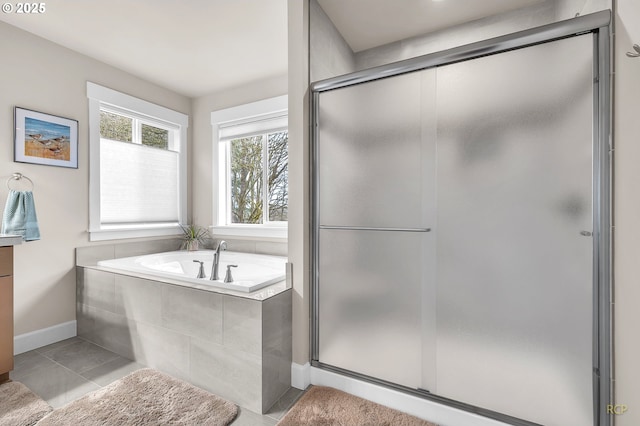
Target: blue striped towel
{"type": "Point", "coordinates": [19, 216]}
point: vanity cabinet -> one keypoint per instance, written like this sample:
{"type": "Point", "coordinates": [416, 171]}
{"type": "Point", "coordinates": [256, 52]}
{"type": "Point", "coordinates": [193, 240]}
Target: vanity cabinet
{"type": "Point", "coordinates": [6, 312]}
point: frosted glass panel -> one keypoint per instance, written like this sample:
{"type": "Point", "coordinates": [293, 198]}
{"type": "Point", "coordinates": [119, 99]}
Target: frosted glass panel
{"type": "Point", "coordinates": [370, 309]}
{"type": "Point", "coordinates": [371, 153]}
{"type": "Point", "coordinates": [513, 270]}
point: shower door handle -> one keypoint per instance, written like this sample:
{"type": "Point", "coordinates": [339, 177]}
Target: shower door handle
{"type": "Point", "coordinates": [370, 228]}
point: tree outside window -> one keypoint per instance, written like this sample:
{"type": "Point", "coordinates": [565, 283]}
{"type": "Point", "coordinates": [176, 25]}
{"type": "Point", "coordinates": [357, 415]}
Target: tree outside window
{"type": "Point", "coordinates": [258, 178]}
{"type": "Point", "coordinates": [121, 128]}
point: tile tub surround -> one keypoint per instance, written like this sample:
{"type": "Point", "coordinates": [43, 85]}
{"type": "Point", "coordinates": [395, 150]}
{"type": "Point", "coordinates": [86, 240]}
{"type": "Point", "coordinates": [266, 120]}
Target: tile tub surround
{"type": "Point", "coordinates": [90, 255]}
{"type": "Point", "coordinates": [238, 348]}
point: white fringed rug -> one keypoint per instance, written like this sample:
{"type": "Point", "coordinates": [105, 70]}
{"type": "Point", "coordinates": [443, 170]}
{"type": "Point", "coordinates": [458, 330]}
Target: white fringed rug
{"type": "Point", "coordinates": [145, 397]}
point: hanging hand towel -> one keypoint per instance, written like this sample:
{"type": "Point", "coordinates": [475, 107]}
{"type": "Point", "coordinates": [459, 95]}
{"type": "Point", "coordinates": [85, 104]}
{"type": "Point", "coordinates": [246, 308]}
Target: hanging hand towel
{"type": "Point", "coordinates": [19, 216]}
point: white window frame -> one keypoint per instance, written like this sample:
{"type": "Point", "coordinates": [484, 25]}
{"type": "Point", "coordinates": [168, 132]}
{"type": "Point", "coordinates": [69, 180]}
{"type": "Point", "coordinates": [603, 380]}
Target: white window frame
{"type": "Point", "coordinates": [140, 120]}
{"type": "Point", "coordinates": [104, 98]}
{"type": "Point", "coordinates": [266, 108]}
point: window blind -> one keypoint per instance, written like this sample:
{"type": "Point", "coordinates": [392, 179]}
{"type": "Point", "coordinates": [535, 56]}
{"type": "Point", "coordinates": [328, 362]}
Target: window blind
{"type": "Point", "coordinates": [252, 126]}
{"type": "Point", "coordinates": [138, 184]}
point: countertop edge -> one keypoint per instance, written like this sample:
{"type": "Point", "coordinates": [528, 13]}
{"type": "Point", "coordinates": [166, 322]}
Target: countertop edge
{"type": "Point", "coordinates": [10, 240]}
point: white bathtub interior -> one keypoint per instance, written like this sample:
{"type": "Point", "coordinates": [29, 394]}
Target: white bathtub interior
{"type": "Point", "coordinates": [253, 271]}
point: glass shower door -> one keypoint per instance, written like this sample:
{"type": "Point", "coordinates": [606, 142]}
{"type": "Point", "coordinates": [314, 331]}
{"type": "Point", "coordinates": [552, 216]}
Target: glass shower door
{"type": "Point", "coordinates": [454, 231]}
{"type": "Point", "coordinates": [514, 252]}
{"type": "Point", "coordinates": [376, 187]}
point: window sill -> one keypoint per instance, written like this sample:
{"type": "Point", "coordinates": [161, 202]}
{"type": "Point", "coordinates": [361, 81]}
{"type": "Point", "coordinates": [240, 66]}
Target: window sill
{"type": "Point", "coordinates": [251, 231]}
{"type": "Point", "coordinates": [118, 233]}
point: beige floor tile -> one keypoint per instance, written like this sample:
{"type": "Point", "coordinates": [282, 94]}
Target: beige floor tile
{"type": "Point", "coordinates": [41, 371]}
{"type": "Point", "coordinates": [80, 356]}
{"type": "Point", "coordinates": [58, 385]}
{"type": "Point", "coordinates": [111, 371]}
{"type": "Point", "coordinates": [249, 418]}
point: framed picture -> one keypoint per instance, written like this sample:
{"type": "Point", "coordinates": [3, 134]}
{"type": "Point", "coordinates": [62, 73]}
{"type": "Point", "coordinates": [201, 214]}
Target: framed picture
{"type": "Point", "coordinates": [45, 139]}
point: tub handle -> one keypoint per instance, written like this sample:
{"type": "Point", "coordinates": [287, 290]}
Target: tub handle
{"type": "Point", "coordinates": [228, 278]}
{"type": "Point", "coordinates": [201, 271]}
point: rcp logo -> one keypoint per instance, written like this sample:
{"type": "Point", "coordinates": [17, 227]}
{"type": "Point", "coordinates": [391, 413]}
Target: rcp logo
{"type": "Point", "coordinates": [616, 409]}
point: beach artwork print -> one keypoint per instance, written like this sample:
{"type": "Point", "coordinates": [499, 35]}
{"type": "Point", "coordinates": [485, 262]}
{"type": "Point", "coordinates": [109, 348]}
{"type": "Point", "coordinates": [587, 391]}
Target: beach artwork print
{"type": "Point", "coordinates": [45, 139]}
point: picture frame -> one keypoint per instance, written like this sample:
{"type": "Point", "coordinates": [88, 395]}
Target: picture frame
{"type": "Point", "coordinates": [45, 139]}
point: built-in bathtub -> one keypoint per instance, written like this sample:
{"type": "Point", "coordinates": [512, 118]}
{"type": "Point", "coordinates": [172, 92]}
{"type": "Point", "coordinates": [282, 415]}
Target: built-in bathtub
{"type": "Point", "coordinates": [252, 271]}
{"type": "Point", "coordinates": [232, 342]}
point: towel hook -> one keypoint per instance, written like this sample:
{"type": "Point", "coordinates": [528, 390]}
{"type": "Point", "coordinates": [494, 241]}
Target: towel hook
{"type": "Point", "coordinates": [19, 176]}
{"type": "Point", "coordinates": [636, 53]}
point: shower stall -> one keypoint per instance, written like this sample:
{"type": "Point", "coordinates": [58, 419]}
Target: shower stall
{"type": "Point", "coordinates": [461, 225]}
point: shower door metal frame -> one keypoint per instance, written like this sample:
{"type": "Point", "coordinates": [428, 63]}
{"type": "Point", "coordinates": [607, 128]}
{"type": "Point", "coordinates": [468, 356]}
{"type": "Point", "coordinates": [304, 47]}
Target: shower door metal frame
{"type": "Point", "coordinates": [597, 24]}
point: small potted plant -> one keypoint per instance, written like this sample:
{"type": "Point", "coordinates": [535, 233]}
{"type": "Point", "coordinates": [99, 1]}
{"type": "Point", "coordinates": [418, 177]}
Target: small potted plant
{"type": "Point", "coordinates": [193, 236]}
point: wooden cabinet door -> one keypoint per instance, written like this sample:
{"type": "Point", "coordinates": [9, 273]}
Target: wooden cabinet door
{"type": "Point", "coordinates": [6, 261]}
{"type": "Point", "coordinates": [6, 324]}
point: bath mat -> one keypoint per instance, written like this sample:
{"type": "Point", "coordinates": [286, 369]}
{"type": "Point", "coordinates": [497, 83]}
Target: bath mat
{"type": "Point", "coordinates": [19, 406]}
{"type": "Point", "coordinates": [330, 407]}
{"type": "Point", "coordinates": [145, 397]}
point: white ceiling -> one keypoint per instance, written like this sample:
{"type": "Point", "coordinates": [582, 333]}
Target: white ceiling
{"type": "Point", "coordinates": [193, 47]}
{"type": "Point", "coordinates": [370, 23]}
{"type": "Point", "coordinates": [196, 47]}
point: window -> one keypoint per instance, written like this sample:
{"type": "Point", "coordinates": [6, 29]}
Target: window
{"type": "Point", "coordinates": [253, 169]}
{"type": "Point", "coordinates": [258, 178]}
{"type": "Point", "coordinates": [138, 166]}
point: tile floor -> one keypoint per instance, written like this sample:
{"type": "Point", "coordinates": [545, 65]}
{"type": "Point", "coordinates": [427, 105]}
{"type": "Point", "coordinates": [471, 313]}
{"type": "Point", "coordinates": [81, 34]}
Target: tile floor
{"type": "Point", "coordinates": [64, 371]}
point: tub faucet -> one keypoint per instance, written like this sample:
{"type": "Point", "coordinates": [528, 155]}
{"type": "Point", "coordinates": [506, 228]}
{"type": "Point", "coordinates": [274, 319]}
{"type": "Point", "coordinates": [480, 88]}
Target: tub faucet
{"type": "Point", "coordinates": [201, 271]}
{"type": "Point", "coordinates": [216, 260]}
{"type": "Point", "coordinates": [228, 278]}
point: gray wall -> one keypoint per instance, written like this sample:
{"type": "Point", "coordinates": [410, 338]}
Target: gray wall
{"type": "Point", "coordinates": [627, 212]}
{"type": "Point", "coordinates": [298, 18]}
{"type": "Point", "coordinates": [330, 56]}
{"type": "Point", "coordinates": [40, 75]}
{"type": "Point", "coordinates": [204, 170]}
{"type": "Point", "coordinates": [494, 26]}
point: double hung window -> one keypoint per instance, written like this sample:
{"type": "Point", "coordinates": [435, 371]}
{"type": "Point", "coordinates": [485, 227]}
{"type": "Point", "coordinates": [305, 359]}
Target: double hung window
{"type": "Point", "coordinates": [253, 165]}
{"type": "Point", "coordinates": [138, 166]}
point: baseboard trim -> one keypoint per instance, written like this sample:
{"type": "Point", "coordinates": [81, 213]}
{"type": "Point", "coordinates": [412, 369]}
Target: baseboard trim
{"type": "Point", "coordinates": [300, 376]}
{"type": "Point", "coordinates": [36, 339]}
{"type": "Point", "coordinates": [419, 407]}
